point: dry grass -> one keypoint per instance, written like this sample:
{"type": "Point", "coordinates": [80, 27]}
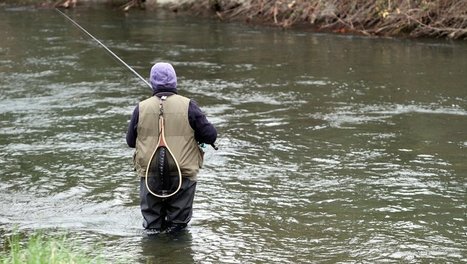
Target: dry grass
{"type": "Point", "coordinates": [416, 18]}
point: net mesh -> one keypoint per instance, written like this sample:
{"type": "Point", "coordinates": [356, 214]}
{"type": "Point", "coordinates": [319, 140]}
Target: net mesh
{"type": "Point", "coordinates": [163, 175]}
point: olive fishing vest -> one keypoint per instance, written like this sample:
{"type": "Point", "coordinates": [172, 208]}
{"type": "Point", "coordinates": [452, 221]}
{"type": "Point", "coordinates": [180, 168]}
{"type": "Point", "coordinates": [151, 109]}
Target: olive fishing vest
{"type": "Point", "coordinates": [179, 135]}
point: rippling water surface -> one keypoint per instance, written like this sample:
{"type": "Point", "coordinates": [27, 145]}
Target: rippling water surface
{"type": "Point", "coordinates": [332, 148]}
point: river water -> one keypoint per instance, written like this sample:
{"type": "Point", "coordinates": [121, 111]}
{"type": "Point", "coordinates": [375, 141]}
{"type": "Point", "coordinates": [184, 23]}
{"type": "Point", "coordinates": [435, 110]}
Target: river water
{"type": "Point", "coordinates": [332, 149]}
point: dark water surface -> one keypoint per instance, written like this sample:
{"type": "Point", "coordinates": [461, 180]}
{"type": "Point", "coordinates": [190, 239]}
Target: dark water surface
{"type": "Point", "coordinates": [333, 149]}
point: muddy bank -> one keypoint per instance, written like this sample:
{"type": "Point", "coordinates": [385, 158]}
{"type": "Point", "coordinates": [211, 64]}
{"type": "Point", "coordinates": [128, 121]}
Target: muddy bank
{"type": "Point", "coordinates": [414, 18]}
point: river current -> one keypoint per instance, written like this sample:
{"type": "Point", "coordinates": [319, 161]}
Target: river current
{"type": "Point", "coordinates": [332, 149]}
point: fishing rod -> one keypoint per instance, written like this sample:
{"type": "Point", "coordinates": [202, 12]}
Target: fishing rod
{"type": "Point", "coordinates": [105, 47]}
{"type": "Point", "coordinates": [112, 53]}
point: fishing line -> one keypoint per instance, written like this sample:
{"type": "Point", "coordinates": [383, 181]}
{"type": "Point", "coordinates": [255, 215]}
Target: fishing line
{"type": "Point", "coordinates": [105, 47]}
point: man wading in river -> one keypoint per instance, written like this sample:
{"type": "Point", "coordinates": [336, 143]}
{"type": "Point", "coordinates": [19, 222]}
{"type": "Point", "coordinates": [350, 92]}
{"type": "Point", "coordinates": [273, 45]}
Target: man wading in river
{"type": "Point", "coordinates": [185, 126]}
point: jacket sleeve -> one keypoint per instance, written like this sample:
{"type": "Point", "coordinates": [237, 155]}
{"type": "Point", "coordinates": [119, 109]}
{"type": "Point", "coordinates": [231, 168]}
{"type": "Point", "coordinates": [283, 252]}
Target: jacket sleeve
{"type": "Point", "coordinates": [205, 132]}
{"type": "Point", "coordinates": [132, 132]}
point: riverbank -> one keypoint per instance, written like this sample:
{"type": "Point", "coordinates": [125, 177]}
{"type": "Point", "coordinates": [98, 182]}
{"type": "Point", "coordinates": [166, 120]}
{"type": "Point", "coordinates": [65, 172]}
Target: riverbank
{"type": "Point", "coordinates": [395, 18]}
{"type": "Point", "coordinates": [413, 18]}
{"type": "Point", "coordinates": [39, 248]}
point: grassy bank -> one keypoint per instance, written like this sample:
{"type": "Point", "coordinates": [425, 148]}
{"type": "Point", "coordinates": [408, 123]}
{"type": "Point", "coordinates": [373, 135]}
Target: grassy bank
{"type": "Point", "coordinates": [40, 249]}
{"type": "Point", "coordinates": [415, 18]}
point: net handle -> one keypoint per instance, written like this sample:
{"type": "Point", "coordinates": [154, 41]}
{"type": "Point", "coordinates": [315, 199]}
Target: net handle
{"type": "Point", "coordinates": [162, 143]}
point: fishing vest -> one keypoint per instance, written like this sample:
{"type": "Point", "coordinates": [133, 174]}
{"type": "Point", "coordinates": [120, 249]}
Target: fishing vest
{"type": "Point", "coordinates": [179, 135]}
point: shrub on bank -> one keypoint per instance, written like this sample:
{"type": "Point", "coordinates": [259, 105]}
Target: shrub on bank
{"type": "Point", "coordinates": [416, 18]}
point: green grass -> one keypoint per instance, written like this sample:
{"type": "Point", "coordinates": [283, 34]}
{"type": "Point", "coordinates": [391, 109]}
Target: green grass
{"type": "Point", "coordinates": [40, 249]}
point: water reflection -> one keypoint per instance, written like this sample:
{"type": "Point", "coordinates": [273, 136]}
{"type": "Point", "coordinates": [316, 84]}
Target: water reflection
{"type": "Point", "coordinates": [166, 248]}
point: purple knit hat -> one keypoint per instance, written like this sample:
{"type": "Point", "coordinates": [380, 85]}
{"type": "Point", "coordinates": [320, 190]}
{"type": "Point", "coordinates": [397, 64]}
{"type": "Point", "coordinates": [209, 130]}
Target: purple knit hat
{"type": "Point", "coordinates": [163, 77]}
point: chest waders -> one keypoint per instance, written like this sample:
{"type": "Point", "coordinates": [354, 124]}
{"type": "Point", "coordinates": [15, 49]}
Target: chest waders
{"type": "Point", "coordinates": [163, 176]}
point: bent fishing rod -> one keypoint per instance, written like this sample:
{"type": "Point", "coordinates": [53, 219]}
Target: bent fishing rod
{"type": "Point", "coordinates": [112, 53]}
